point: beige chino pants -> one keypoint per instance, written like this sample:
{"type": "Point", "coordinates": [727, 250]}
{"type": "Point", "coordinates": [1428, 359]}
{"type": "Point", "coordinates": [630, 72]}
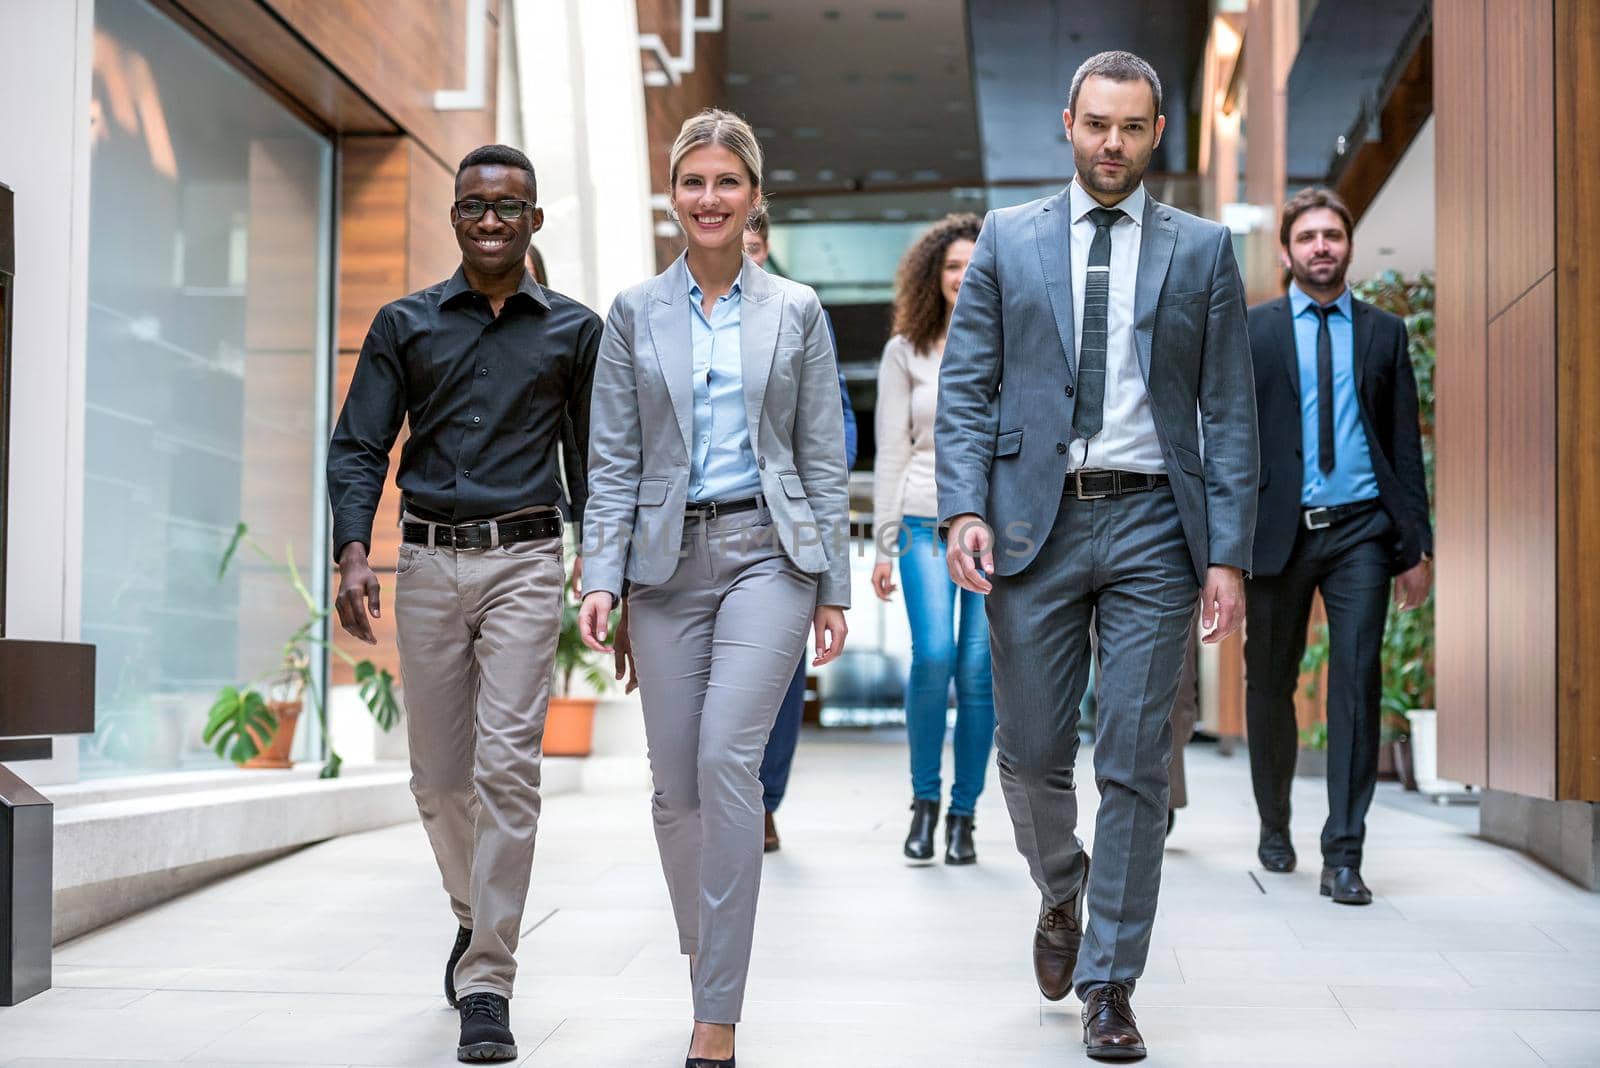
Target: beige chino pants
{"type": "Point", "coordinates": [477, 635]}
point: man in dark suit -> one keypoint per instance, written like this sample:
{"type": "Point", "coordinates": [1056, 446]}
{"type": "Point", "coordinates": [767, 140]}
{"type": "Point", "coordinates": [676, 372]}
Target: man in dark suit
{"type": "Point", "coordinates": [1343, 508]}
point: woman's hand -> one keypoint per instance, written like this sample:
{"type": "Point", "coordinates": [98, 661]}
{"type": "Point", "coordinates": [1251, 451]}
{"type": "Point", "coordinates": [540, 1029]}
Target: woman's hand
{"type": "Point", "coordinates": [828, 625]}
{"type": "Point", "coordinates": [883, 580]}
{"type": "Point", "coordinates": [623, 654]}
{"type": "Point", "coordinates": [594, 620]}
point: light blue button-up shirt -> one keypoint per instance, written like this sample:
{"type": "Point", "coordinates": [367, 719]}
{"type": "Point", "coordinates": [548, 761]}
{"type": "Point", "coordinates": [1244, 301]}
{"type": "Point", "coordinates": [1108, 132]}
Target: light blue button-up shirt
{"type": "Point", "coordinates": [722, 464]}
{"type": "Point", "coordinates": [1351, 478]}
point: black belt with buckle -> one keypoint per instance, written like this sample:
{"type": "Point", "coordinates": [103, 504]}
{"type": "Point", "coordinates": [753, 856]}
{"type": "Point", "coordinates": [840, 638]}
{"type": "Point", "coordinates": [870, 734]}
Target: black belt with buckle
{"type": "Point", "coordinates": [1323, 518]}
{"type": "Point", "coordinates": [1094, 485]}
{"type": "Point", "coordinates": [708, 510]}
{"type": "Point", "coordinates": [479, 536]}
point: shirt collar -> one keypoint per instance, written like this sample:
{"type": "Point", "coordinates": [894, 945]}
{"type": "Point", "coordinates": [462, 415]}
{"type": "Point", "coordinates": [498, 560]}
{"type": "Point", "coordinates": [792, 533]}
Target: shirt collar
{"type": "Point", "coordinates": [1082, 203]}
{"type": "Point", "coordinates": [459, 285]}
{"type": "Point", "coordinates": [699, 294]}
{"type": "Point", "coordinates": [1300, 300]}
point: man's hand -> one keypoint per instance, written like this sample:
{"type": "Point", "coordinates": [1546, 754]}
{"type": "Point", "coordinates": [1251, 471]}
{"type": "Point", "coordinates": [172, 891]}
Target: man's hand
{"type": "Point", "coordinates": [623, 654]}
{"type": "Point", "coordinates": [1411, 586]}
{"type": "Point", "coordinates": [358, 593]}
{"type": "Point", "coordinates": [971, 546]}
{"type": "Point", "coordinates": [828, 624]}
{"type": "Point", "coordinates": [594, 620]}
{"type": "Point", "coordinates": [883, 580]}
{"type": "Point", "coordinates": [1221, 603]}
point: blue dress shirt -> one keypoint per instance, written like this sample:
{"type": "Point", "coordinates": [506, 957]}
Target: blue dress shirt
{"type": "Point", "coordinates": [722, 464]}
{"type": "Point", "coordinates": [1351, 478]}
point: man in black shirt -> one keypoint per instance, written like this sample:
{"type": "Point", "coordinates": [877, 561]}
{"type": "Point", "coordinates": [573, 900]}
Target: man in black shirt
{"type": "Point", "coordinates": [491, 371]}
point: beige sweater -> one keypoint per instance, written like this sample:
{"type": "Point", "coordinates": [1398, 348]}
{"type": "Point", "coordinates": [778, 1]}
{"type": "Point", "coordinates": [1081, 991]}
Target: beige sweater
{"type": "Point", "coordinates": [903, 472]}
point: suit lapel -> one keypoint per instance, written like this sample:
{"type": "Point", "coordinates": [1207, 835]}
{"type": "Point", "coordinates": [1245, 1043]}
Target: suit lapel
{"type": "Point", "coordinates": [1288, 351]}
{"type": "Point", "coordinates": [1362, 337]}
{"type": "Point", "coordinates": [672, 340]}
{"type": "Point", "coordinates": [1155, 256]}
{"type": "Point", "coordinates": [760, 312]}
{"type": "Point", "coordinates": [1053, 228]}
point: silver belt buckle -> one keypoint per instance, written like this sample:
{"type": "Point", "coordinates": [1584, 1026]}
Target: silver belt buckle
{"type": "Point", "coordinates": [1309, 516]}
{"type": "Point", "coordinates": [1077, 489]}
{"type": "Point", "coordinates": [705, 512]}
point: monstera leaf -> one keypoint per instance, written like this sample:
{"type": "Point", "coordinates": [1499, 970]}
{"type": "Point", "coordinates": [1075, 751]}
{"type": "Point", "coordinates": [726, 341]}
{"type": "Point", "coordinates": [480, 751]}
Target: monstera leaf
{"type": "Point", "coordinates": [238, 725]}
{"type": "Point", "coordinates": [377, 692]}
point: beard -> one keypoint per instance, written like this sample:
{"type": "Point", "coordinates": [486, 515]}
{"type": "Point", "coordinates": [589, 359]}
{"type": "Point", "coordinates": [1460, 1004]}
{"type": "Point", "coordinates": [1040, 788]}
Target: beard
{"type": "Point", "coordinates": [1132, 172]}
{"type": "Point", "coordinates": [1325, 275]}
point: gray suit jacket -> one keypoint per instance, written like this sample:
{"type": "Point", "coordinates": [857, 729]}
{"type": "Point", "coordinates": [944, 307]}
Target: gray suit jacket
{"type": "Point", "coordinates": [642, 416]}
{"type": "Point", "coordinates": [1010, 364]}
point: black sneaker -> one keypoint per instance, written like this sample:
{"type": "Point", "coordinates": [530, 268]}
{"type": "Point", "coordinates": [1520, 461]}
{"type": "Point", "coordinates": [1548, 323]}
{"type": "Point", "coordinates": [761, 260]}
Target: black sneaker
{"type": "Point", "coordinates": [486, 1029]}
{"type": "Point", "coordinates": [463, 937]}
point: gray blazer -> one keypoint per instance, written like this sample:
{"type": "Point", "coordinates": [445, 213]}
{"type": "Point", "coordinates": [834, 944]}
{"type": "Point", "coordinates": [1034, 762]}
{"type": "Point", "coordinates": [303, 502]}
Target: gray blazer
{"type": "Point", "coordinates": [1006, 385]}
{"type": "Point", "coordinates": [642, 415]}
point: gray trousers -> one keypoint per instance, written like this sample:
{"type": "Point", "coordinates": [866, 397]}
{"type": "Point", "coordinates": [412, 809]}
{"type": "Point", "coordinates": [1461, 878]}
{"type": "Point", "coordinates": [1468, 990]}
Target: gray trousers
{"type": "Point", "coordinates": [477, 633]}
{"type": "Point", "coordinates": [715, 647]}
{"type": "Point", "coordinates": [1122, 566]}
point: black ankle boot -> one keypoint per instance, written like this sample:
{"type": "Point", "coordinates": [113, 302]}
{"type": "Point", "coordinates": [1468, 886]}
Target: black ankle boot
{"type": "Point", "coordinates": [919, 842]}
{"type": "Point", "coordinates": [486, 1029]}
{"type": "Point", "coordinates": [463, 939]}
{"type": "Point", "coordinates": [958, 847]}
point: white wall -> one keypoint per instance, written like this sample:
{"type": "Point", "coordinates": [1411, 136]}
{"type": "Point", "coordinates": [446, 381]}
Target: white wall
{"type": "Point", "coordinates": [575, 104]}
{"type": "Point", "coordinates": [46, 56]}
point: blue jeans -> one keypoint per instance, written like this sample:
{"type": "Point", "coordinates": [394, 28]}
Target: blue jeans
{"type": "Point", "coordinates": [779, 757]}
{"type": "Point", "coordinates": [939, 650]}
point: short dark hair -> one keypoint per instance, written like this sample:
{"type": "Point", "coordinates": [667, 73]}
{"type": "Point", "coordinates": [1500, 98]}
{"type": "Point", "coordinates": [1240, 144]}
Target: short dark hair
{"type": "Point", "coordinates": [1310, 199]}
{"type": "Point", "coordinates": [500, 156]}
{"type": "Point", "coordinates": [1119, 67]}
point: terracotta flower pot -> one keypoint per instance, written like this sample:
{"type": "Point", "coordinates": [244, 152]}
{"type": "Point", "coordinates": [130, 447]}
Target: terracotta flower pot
{"type": "Point", "coordinates": [275, 753]}
{"type": "Point", "coordinates": [569, 726]}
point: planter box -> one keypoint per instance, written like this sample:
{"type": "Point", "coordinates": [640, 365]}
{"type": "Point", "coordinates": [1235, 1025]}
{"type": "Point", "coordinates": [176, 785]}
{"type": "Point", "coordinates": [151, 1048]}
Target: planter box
{"type": "Point", "coordinates": [569, 726]}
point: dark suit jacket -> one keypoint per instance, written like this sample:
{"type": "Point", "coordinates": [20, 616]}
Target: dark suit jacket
{"type": "Point", "coordinates": [1387, 399]}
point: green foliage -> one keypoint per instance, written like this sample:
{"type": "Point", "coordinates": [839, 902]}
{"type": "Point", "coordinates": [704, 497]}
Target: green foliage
{"type": "Point", "coordinates": [295, 677]}
{"type": "Point", "coordinates": [1314, 736]}
{"type": "Point", "coordinates": [574, 657]}
{"type": "Point", "coordinates": [231, 721]}
{"type": "Point", "coordinates": [1408, 636]}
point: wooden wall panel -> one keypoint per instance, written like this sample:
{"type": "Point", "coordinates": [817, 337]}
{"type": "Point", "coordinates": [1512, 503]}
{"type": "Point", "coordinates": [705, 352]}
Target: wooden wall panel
{"type": "Point", "coordinates": [1522, 544]}
{"type": "Point", "coordinates": [1520, 110]}
{"type": "Point", "coordinates": [432, 254]}
{"type": "Point", "coordinates": [1577, 70]}
{"type": "Point", "coordinates": [1462, 567]}
{"type": "Point", "coordinates": [374, 177]}
{"type": "Point", "coordinates": [399, 53]}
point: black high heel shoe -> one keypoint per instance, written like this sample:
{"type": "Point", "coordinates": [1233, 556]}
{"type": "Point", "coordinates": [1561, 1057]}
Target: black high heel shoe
{"type": "Point", "coordinates": [709, 1062]}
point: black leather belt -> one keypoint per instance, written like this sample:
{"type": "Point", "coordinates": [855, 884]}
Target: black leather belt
{"type": "Point", "coordinates": [1092, 485]}
{"type": "Point", "coordinates": [1323, 518]}
{"type": "Point", "coordinates": [479, 536]}
{"type": "Point", "coordinates": [708, 510]}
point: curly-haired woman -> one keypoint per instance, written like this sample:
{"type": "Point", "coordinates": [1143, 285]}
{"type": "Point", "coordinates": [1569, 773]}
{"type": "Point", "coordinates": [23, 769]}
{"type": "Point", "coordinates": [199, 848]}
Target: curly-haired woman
{"type": "Point", "coordinates": [945, 642]}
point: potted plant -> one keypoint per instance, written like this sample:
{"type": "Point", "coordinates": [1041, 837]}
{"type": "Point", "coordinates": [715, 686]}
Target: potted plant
{"type": "Point", "coordinates": [256, 729]}
{"type": "Point", "coordinates": [569, 723]}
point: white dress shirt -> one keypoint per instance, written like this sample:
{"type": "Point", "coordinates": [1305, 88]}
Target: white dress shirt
{"type": "Point", "coordinates": [1127, 440]}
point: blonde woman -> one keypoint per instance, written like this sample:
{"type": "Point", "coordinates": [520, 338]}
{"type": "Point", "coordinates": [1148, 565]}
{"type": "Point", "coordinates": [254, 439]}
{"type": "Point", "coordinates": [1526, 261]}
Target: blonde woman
{"type": "Point", "coordinates": [717, 494]}
{"type": "Point", "coordinates": [945, 643]}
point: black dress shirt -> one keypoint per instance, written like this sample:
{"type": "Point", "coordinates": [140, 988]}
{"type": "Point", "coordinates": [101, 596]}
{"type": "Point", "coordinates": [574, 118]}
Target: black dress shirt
{"type": "Point", "coordinates": [488, 399]}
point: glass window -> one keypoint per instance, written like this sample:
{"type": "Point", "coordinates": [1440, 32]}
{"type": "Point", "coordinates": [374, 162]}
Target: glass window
{"type": "Point", "coordinates": [208, 332]}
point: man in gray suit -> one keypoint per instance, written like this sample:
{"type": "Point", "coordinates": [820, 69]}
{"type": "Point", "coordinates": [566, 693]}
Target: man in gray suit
{"type": "Point", "coordinates": [1099, 337]}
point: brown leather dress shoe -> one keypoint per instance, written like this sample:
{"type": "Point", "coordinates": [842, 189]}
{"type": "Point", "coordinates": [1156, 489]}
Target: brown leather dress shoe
{"type": "Point", "coordinates": [1056, 940]}
{"type": "Point", "coordinates": [771, 844]}
{"type": "Point", "coordinates": [1109, 1030]}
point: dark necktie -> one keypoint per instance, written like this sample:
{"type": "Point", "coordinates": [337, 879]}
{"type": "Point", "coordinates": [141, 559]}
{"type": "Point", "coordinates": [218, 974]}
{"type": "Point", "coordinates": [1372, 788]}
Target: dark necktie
{"type": "Point", "coordinates": [1090, 410]}
{"type": "Point", "coordinates": [1325, 456]}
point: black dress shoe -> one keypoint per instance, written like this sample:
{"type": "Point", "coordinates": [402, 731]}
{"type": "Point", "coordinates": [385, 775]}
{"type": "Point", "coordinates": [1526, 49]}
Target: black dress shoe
{"type": "Point", "coordinates": [1276, 851]}
{"type": "Point", "coordinates": [463, 938]}
{"type": "Point", "coordinates": [958, 847]}
{"type": "Point", "coordinates": [770, 843]}
{"type": "Point", "coordinates": [486, 1029]}
{"type": "Point", "coordinates": [1056, 941]}
{"type": "Point", "coordinates": [1109, 1030]}
{"type": "Point", "coordinates": [919, 841]}
{"type": "Point", "coordinates": [1344, 885]}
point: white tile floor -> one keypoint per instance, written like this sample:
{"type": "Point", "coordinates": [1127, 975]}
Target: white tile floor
{"type": "Point", "coordinates": [1472, 955]}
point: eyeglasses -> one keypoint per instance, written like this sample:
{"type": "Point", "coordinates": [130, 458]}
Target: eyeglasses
{"type": "Point", "coordinates": [505, 210]}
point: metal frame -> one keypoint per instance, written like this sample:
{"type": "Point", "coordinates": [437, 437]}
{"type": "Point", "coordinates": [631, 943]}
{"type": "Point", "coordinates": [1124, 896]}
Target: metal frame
{"type": "Point", "coordinates": [8, 259]}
